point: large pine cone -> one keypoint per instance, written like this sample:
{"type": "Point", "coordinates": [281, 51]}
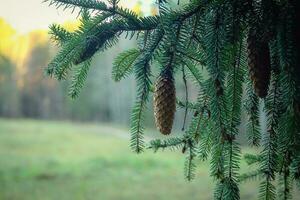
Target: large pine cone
{"type": "Point", "coordinates": [164, 104]}
{"type": "Point", "coordinates": [259, 64]}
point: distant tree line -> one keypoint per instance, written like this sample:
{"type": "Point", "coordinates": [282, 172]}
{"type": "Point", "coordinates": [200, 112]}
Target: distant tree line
{"type": "Point", "coordinates": [33, 95]}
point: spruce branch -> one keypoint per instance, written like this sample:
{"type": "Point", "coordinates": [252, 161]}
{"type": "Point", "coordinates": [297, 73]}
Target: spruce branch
{"type": "Point", "coordinates": [59, 34]}
{"type": "Point", "coordinates": [79, 78]}
{"type": "Point", "coordinates": [123, 64]}
{"type": "Point", "coordinates": [252, 159]}
{"type": "Point", "coordinates": [252, 109]}
{"type": "Point", "coordinates": [171, 143]}
{"type": "Point", "coordinates": [186, 98]}
{"type": "Point", "coordinates": [189, 165]}
{"type": "Point", "coordinates": [189, 105]}
{"type": "Point", "coordinates": [205, 39]}
{"type": "Point", "coordinates": [205, 143]}
{"type": "Point", "coordinates": [94, 6]}
{"type": "Point", "coordinates": [250, 176]}
{"type": "Point", "coordinates": [269, 153]}
{"type": "Point", "coordinates": [235, 85]}
{"type": "Point", "coordinates": [142, 75]}
{"type": "Point", "coordinates": [218, 109]}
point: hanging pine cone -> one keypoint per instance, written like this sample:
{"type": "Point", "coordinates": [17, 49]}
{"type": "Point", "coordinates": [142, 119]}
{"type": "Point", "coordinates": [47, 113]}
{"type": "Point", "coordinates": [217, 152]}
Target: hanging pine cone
{"type": "Point", "coordinates": [164, 104]}
{"type": "Point", "coordinates": [219, 88]}
{"type": "Point", "coordinates": [259, 64]}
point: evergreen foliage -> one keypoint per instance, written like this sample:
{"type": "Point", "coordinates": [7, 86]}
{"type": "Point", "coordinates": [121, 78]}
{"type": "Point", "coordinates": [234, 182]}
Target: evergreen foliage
{"type": "Point", "coordinates": [205, 37]}
{"type": "Point", "coordinates": [123, 64]}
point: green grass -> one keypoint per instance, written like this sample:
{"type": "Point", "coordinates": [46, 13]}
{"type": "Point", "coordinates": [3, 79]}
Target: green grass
{"type": "Point", "coordinates": [61, 160]}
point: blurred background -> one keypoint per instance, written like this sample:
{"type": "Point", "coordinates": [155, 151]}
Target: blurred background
{"type": "Point", "coordinates": [53, 147]}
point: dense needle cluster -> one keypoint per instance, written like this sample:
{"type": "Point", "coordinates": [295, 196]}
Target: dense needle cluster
{"type": "Point", "coordinates": [225, 47]}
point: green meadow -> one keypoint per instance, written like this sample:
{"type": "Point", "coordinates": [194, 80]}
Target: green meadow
{"type": "Point", "coordinates": [46, 160]}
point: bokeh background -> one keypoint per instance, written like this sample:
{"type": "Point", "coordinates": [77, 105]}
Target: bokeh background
{"type": "Point", "coordinates": [53, 147]}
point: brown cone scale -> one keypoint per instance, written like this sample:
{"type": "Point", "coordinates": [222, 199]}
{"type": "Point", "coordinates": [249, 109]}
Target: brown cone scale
{"type": "Point", "coordinates": [164, 104]}
{"type": "Point", "coordinates": [259, 64]}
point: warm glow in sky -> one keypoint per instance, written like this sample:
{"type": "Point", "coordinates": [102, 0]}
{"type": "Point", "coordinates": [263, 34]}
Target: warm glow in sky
{"type": "Point", "coordinates": [28, 15]}
{"type": "Point", "coordinates": [24, 25]}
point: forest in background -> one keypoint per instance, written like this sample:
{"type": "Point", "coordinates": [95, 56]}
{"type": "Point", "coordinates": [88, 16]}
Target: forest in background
{"type": "Point", "coordinates": [27, 93]}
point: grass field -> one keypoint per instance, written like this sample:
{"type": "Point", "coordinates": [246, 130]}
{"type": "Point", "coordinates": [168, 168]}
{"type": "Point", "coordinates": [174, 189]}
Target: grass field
{"type": "Point", "coordinates": [61, 160]}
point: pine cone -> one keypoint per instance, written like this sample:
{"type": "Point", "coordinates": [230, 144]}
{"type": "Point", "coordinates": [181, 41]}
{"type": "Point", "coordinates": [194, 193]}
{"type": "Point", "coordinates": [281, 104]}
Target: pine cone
{"type": "Point", "coordinates": [259, 64]}
{"type": "Point", "coordinates": [219, 88]}
{"type": "Point", "coordinates": [164, 104]}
